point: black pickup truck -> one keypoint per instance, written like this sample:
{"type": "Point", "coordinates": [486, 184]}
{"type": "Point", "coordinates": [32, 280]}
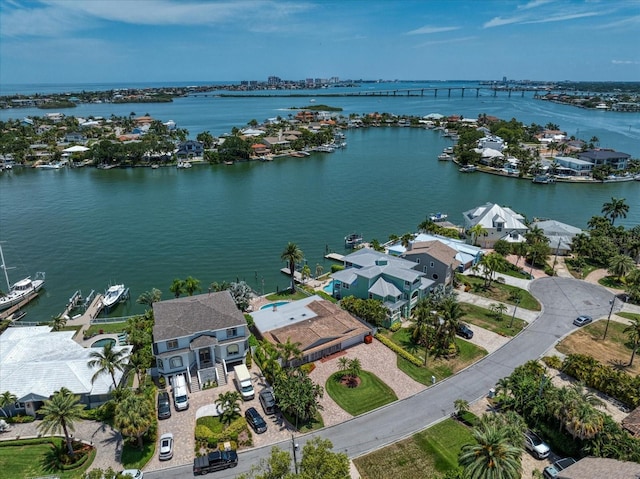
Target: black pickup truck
{"type": "Point", "coordinates": [214, 461]}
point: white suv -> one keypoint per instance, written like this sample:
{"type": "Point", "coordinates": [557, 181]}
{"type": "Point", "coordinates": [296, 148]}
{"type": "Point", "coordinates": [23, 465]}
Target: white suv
{"type": "Point", "coordinates": [536, 446]}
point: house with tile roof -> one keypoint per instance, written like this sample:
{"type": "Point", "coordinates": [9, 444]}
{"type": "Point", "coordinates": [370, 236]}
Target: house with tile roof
{"type": "Point", "coordinates": [369, 274]}
{"type": "Point", "coordinates": [435, 259]}
{"type": "Point", "coordinates": [499, 223]}
{"type": "Point", "coordinates": [35, 362]}
{"type": "Point", "coordinates": [201, 337]}
{"type": "Point", "coordinates": [320, 327]}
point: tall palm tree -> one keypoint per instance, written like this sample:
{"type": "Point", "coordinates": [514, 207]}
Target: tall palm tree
{"type": "Point", "coordinates": [191, 285]}
{"type": "Point", "coordinates": [134, 416]}
{"type": "Point", "coordinates": [108, 360]}
{"type": "Point", "coordinates": [58, 322]}
{"type": "Point", "coordinates": [149, 297]}
{"type": "Point", "coordinates": [289, 351]}
{"type": "Point", "coordinates": [633, 332]}
{"type": "Point", "coordinates": [59, 413]}
{"type": "Point", "coordinates": [292, 255]}
{"type": "Point", "coordinates": [621, 265]}
{"type": "Point", "coordinates": [616, 208]}
{"type": "Point", "coordinates": [228, 404]}
{"type": "Point", "coordinates": [7, 398]}
{"type": "Point", "coordinates": [492, 456]}
{"type": "Point", "coordinates": [477, 231]}
{"type": "Point", "coordinates": [177, 287]}
{"type": "Point", "coordinates": [536, 235]}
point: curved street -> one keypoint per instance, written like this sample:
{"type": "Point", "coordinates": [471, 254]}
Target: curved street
{"type": "Point", "coordinates": [562, 298]}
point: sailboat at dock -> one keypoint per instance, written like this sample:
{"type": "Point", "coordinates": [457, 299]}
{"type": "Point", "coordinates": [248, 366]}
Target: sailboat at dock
{"type": "Point", "coordinates": [21, 290]}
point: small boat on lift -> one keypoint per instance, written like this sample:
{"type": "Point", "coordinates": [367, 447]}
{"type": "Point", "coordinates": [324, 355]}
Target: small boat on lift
{"type": "Point", "coordinates": [113, 295]}
{"type": "Point", "coordinates": [437, 217]}
{"type": "Point", "coordinates": [352, 240]}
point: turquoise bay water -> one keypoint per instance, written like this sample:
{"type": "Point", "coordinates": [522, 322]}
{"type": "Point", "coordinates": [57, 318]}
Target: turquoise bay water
{"type": "Point", "coordinates": [89, 228]}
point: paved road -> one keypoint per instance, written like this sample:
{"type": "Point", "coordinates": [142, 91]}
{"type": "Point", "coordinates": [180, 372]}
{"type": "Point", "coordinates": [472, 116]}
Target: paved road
{"type": "Point", "coordinates": [563, 299]}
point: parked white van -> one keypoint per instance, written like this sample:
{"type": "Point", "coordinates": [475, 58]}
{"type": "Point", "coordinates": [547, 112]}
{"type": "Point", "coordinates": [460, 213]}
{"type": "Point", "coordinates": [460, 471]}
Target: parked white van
{"type": "Point", "coordinates": [243, 382]}
{"type": "Point", "coordinates": [180, 393]}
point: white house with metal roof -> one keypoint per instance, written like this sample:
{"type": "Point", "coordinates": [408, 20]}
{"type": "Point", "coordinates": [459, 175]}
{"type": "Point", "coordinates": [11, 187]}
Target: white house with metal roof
{"type": "Point", "coordinates": [35, 362]}
{"type": "Point", "coordinates": [499, 222]}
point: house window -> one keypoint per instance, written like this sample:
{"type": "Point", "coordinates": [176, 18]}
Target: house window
{"type": "Point", "coordinates": [424, 269]}
{"type": "Point", "coordinates": [232, 332]}
{"type": "Point", "coordinates": [434, 276]}
{"type": "Point", "coordinates": [175, 362]}
{"type": "Point", "coordinates": [344, 285]}
{"type": "Point", "coordinates": [418, 260]}
{"type": "Point", "coordinates": [160, 363]}
{"type": "Point", "coordinates": [431, 264]}
{"type": "Point", "coordinates": [233, 349]}
{"type": "Point", "coordinates": [172, 344]}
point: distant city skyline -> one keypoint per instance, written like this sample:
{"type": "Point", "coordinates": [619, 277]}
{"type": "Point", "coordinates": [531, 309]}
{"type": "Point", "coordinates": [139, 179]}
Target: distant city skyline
{"type": "Point", "coordinates": [73, 41]}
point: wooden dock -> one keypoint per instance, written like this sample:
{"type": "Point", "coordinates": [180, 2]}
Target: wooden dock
{"type": "Point", "coordinates": [16, 307]}
{"type": "Point", "coordinates": [335, 257]}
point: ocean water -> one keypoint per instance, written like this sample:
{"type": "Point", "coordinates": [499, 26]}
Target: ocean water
{"type": "Point", "coordinates": [89, 228]}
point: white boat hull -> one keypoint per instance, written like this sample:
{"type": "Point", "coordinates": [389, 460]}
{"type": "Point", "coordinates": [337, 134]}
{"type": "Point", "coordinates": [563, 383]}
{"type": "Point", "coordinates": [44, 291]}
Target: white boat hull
{"type": "Point", "coordinates": [21, 291]}
{"type": "Point", "coordinates": [113, 296]}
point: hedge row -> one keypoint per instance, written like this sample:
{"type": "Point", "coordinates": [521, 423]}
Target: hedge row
{"type": "Point", "coordinates": [207, 437]}
{"type": "Point", "coordinates": [398, 350]}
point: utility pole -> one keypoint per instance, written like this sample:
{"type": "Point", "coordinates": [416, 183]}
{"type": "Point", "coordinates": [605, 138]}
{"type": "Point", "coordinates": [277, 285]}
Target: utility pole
{"type": "Point", "coordinates": [514, 313]}
{"type": "Point", "coordinates": [612, 301]}
{"type": "Point", "coordinates": [294, 446]}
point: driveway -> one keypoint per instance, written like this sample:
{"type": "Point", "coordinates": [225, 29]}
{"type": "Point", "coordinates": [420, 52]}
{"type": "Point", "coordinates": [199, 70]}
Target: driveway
{"type": "Point", "coordinates": [563, 299]}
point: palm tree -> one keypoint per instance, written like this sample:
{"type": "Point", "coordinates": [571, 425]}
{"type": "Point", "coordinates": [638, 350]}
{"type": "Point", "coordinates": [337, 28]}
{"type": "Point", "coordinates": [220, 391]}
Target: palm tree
{"type": "Point", "coordinates": [228, 404]}
{"type": "Point", "coordinates": [292, 255]}
{"type": "Point", "coordinates": [59, 413]}
{"type": "Point", "coordinates": [536, 235]}
{"type": "Point", "coordinates": [498, 309]}
{"type": "Point", "coordinates": [134, 416]}
{"type": "Point", "coordinates": [7, 398]}
{"type": "Point", "coordinates": [621, 265]}
{"type": "Point", "coordinates": [149, 297]}
{"type": "Point", "coordinates": [492, 457]}
{"type": "Point", "coordinates": [633, 332]}
{"type": "Point", "coordinates": [319, 270]}
{"type": "Point", "coordinates": [108, 360]}
{"type": "Point", "coordinates": [289, 351]}
{"type": "Point", "coordinates": [520, 250]}
{"type": "Point", "coordinates": [476, 231]}
{"type": "Point", "coordinates": [354, 370]}
{"type": "Point", "coordinates": [191, 285]}
{"type": "Point", "coordinates": [58, 322]}
{"type": "Point", "coordinates": [306, 272]}
{"type": "Point", "coordinates": [177, 287]}
{"type": "Point", "coordinates": [616, 208]}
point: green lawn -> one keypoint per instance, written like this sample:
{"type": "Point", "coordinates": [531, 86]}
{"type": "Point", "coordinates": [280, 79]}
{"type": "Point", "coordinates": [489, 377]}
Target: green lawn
{"type": "Point", "coordinates": [286, 296]}
{"type": "Point", "coordinates": [107, 328]}
{"type": "Point", "coordinates": [134, 458]}
{"type": "Point", "coordinates": [503, 293]}
{"type": "Point", "coordinates": [432, 451]}
{"type": "Point", "coordinates": [440, 368]}
{"type": "Point", "coordinates": [30, 458]}
{"type": "Point", "coordinates": [485, 319]}
{"type": "Point", "coordinates": [370, 394]}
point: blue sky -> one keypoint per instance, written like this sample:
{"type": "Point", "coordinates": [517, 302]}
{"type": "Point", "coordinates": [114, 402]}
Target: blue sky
{"type": "Point", "coordinates": [96, 41]}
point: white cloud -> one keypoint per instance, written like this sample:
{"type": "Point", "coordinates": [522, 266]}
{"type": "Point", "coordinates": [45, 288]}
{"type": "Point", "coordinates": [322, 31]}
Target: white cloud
{"type": "Point", "coordinates": [429, 29]}
{"type": "Point", "coordinates": [533, 4]}
{"type": "Point", "coordinates": [499, 21]}
{"type": "Point", "coordinates": [625, 62]}
{"type": "Point", "coordinates": [625, 22]}
{"type": "Point", "coordinates": [450, 40]}
{"type": "Point", "coordinates": [562, 18]}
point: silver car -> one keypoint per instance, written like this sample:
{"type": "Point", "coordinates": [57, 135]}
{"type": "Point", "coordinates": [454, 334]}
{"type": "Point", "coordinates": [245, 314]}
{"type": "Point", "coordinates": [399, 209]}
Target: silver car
{"type": "Point", "coordinates": [166, 447]}
{"type": "Point", "coordinates": [536, 446]}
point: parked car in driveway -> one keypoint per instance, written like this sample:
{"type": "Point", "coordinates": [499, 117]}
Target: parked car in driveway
{"type": "Point", "coordinates": [464, 331]}
{"type": "Point", "coordinates": [268, 401]}
{"type": "Point", "coordinates": [166, 447]}
{"type": "Point", "coordinates": [552, 471]}
{"type": "Point", "coordinates": [255, 420]}
{"type": "Point", "coordinates": [536, 446]}
{"type": "Point", "coordinates": [134, 473]}
{"type": "Point", "coordinates": [164, 405]}
{"type": "Point", "coordinates": [582, 320]}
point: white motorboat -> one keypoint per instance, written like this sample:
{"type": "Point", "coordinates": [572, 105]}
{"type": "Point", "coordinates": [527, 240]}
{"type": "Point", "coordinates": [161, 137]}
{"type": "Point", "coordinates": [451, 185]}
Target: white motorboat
{"type": "Point", "coordinates": [352, 240]}
{"type": "Point", "coordinates": [113, 295]}
{"type": "Point", "coordinates": [444, 157]}
{"type": "Point", "coordinates": [437, 217]}
{"type": "Point", "coordinates": [21, 290]}
{"type": "Point", "coordinates": [184, 164]}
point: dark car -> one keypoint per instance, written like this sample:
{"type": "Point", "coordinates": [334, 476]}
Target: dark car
{"type": "Point", "coordinates": [582, 320]}
{"type": "Point", "coordinates": [464, 331]}
{"type": "Point", "coordinates": [164, 405]}
{"type": "Point", "coordinates": [268, 401]}
{"type": "Point", "coordinates": [255, 420]}
{"type": "Point", "coordinates": [214, 461]}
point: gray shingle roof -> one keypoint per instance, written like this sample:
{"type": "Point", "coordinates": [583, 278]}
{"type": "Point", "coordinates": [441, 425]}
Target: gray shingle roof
{"type": "Point", "coordinates": [183, 317]}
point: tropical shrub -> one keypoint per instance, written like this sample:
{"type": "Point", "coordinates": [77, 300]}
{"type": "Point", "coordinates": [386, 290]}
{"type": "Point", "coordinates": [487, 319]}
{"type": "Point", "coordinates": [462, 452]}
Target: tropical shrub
{"type": "Point", "coordinates": [398, 350]}
{"type": "Point", "coordinates": [395, 326]}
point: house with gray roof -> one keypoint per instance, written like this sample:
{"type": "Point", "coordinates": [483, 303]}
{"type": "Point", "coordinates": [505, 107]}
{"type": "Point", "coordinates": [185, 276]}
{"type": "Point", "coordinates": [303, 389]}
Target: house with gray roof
{"type": "Point", "coordinates": [35, 362]}
{"type": "Point", "coordinates": [600, 467]}
{"type": "Point", "coordinates": [369, 274]}
{"type": "Point", "coordinates": [466, 255]}
{"type": "Point", "coordinates": [598, 157]}
{"type": "Point", "coordinates": [201, 337]}
{"type": "Point", "coordinates": [435, 259]}
{"type": "Point", "coordinates": [560, 235]}
{"type": "Point", "coordinates": [499, 222]}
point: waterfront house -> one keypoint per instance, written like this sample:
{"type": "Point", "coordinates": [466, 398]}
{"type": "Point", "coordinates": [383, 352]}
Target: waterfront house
{"type": "Point", "coordinates": [75, 137]}
{"type": "Point", "coordinates": [573, 166]}
{"type": "Point", "coordinates": [466, 255]}
{"type": "Point", "coordinates": [499, 223]}
{"type": "Point", "coordinates": [369, 274]}
{"type": "Point", "coordinates": [560, 235]}
{"type": "Point", "coordinates": [493, 142]}
{"type": "Point", "coordinates": [190, 149]}
{"type": "Point", "coordinates": [201, 337]}
{"type": "Point", "coordinates": [320, 327]}
{"type": "Point", "coordinates": [434, 258]}
{"type": "Point", "coordinates": [36, 362]}
{"type": "Point", "coordinates": [612, 158]}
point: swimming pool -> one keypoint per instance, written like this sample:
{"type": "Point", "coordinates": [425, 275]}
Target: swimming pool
{"type": "Point", "coordinates": [329, 288]}
{"type": "Point", "coordinates": [101, 343]}
{"type": "Point", "coordinates": [276, 304]}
